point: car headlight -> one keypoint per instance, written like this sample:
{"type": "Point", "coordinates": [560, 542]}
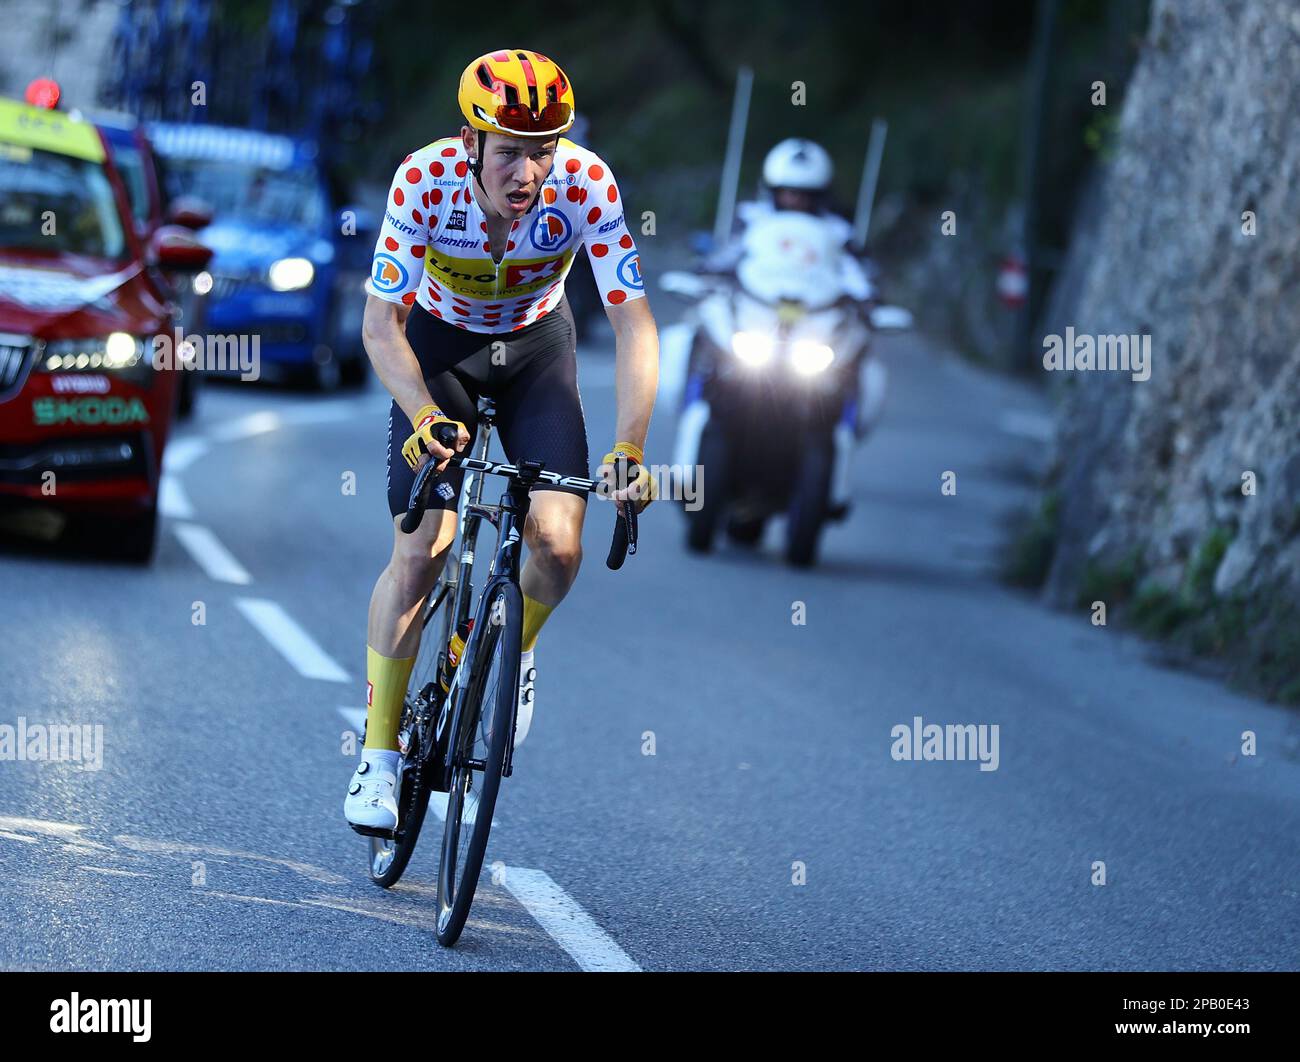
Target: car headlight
{"type": "Point", "coordinates": [290, 274]}
{"type": "Point", "coordinates": [809, 358]}
{"type": "Point", "coordinates": [753, 348]}
{"type": "Point", "coordinates": [118, 351]}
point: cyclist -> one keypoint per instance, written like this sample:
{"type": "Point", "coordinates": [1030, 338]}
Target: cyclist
{"type": "Point", "coordinates": [466, 298]}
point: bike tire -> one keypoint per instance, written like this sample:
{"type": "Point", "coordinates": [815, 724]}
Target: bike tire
{"type": "Point", "coordinates": [461, 858]}
{"type": "Point", "coordinates": [390, 856]}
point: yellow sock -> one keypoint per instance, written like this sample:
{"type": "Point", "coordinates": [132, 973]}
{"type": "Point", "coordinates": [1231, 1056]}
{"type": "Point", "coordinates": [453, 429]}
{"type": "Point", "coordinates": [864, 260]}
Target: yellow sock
{"type": "Point", "coordinates": [535, 614]}
{"type": "Point", "coordinates": [385, 690]}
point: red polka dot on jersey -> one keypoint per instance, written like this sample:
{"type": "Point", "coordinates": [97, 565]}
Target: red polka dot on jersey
{"type": "Point", "coordinates": [487, 247]}
{"type": "Point", "coordinates": [448, 152]}
{"type": "Point", "coordinates": [596, 173]}
{"type": "Point", "coordinates": [435, 196]}
{"type": "Point", "coordinates": [461, 170]}
{"type": "Point", "coordinates": [573, 165]}
{"type": "Point", "coordinates": [434, 295]}
{"type": "Point", "coordinates": [625, 242]}
{"type": "Point", "coordinates": [435, 311]}
{"type": "Point", "coordinates": [483, 225]}
{"type": "Point", "coordinates": [494, 306]}
{"type": "Point", "coordinates": [510, 245]}
{"type": "Point", "coordinates": [574, 193]}
{"type": "Point", "coordinates": [407, 159]}
{"type": "Point", "coordinates": [418, 252]}
{"type": "Point", "coordinates": [612, 194]}
{"type": "Point", "coordinates": [419, 218]}
{"type": "Point", "coordinates": [390, 243]}
{"type": "Point", "coordinates": [398, 197]}
{"type": "Point", "coordinates": [455, 196]}
{"type": "Point", "coordinates": [616, 296]}
{"type": "Point", "coordinates": [593, 215]}
{"type": "Point", "coordinates": [413, 175]}
{"type": "Point", "coordinates": [424, 199]}
{"type": "Point", "coordinates": [461, 310]}
{"type": "Point", "coordinates": [582, 198]}
{"type": "Point", "coordinates": [435, 168]}
{"type": "Point", "coordinates": [409, 298]}
{"type": "Point", "coordinates": [598, 250]}
{"type": "Point", "coordinates": [462, 324]}
{"type": "Point", "coordinates": [468, 198]}
{"type": "Point", "coordinates": [548, 194]}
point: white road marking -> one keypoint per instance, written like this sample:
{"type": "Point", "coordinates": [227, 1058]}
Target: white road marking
{"type": "Point", "coordinates": [210, 555]}
{"type": "Point", "coordinates": [1027, 425]}
{"type": "Point", "coordinates": [116, 873]}
{"type": "Point", "coordinates": [292, 642]}
{"type": "Point", "coordinates": [181, 453]}
{"type": "Point", "coordinates": [551, 907]}
{"type": "Point", "coordinates": [568, 924]}
{"type": "Point", "coordinates": [172, 500]}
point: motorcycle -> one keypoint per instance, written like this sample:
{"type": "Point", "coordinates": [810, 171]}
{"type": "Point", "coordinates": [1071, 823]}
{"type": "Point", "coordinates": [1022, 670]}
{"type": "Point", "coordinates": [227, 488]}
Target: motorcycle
{"type": "Point", "coordinates": [778, 389]}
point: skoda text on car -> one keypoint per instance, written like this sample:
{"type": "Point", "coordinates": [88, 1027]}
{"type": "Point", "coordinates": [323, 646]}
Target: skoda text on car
{"type": "Point", "coordinates": [85, 406]}
{"type": "Point", "coordinates": [279, 270]}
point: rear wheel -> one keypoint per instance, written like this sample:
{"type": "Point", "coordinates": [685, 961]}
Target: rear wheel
{"type": "Point", "coordinates": [390, 855]}
{"type": "Point", "coordinates": [710, 492]}
{"type": "Point", "coordinates": [481, 732]}
{"type": "Point", "coordinates": [808, 507]}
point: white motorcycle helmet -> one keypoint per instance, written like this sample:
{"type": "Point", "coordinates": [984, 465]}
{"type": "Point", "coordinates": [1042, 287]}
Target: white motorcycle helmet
{"type": "Point", "coordinates": [797, 163]}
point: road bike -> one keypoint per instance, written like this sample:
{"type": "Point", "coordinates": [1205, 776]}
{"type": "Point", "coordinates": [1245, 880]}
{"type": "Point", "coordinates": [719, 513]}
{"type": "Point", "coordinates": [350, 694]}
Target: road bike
{"type": "Point", "coordinates": [459, 740]}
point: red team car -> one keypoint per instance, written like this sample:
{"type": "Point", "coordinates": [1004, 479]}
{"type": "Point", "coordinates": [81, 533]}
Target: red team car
{"type": "Point", "coordinates": [86, 398]}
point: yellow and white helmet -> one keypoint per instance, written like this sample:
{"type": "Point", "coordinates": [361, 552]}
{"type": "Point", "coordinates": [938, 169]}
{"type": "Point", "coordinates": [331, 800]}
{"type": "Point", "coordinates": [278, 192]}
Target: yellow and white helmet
{"type": "Point", "coordinates": [516, 92]}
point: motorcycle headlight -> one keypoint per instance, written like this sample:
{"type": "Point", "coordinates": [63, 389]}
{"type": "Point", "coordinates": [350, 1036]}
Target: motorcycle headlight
{"type": "Point", "coordinates": [118, 351]}
{"type": "Point", "coordinates": [290, 274]}
{"type": "Point", "coordinates": [753, 348]}
{"type": "Point", "coordinates": [809, 358]}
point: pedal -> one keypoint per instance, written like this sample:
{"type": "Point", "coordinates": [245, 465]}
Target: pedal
{"type": "Point", "coordinates": [372, 831]}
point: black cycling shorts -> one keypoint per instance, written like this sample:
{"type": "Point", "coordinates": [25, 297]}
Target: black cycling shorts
{"type": "Point", "coordinates": [532, 378]}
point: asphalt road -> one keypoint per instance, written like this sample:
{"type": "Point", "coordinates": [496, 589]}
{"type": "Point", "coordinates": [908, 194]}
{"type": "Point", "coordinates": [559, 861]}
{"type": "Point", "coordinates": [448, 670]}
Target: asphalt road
{"type": "Point", "coordinates": [769, 829]}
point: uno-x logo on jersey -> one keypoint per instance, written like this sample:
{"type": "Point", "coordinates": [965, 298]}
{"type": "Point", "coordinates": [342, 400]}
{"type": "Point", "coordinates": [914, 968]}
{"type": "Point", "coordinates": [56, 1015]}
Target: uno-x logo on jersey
{"type": "Point", "coordinates": [629, 271]}
{"type": "Point", "coordinates": [387, 274]}
{"type": "Point", "coordinates": [548, 269]}
{"type": "Point", "coordinates": [476, 278]}
{"type": "Point", "coordinates": [551, 230]}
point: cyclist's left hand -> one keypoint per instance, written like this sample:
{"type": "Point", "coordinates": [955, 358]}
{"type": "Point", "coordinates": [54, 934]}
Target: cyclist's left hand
{"type": "Point", "coordinates": [640, 489]}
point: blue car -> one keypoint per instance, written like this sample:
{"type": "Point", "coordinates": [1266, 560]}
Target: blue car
{"type": "Point", "coordinates": [287, 268]}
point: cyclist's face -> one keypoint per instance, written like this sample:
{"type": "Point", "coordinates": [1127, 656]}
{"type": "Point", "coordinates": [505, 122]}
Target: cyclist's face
{"type": "Point", "coordinates": [513, 170]}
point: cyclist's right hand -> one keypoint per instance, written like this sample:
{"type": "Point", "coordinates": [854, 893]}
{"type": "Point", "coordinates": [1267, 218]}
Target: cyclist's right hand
{"type": "Point", "coordinates": [422, 442]}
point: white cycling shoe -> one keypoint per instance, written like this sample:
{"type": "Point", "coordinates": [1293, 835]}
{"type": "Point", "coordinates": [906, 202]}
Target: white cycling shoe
{"type": "Point", "coordinates": [371, 802]}
{"type": "Point", "coordinates": [527, 676]}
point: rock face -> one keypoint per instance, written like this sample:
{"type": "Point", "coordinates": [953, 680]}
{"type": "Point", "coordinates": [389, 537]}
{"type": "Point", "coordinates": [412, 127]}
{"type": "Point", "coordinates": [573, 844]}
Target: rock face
{"type": "Point", "coordinates": [1210, 132]}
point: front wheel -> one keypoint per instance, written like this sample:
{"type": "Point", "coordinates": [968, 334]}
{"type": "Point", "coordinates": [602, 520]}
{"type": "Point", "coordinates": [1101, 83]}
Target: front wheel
{"type": "Point", "coordinates": [809, 505]}
{"type": "Point", "coordinates": [710, 490]}
{"type": "Point", "coordinates": [481, 732]}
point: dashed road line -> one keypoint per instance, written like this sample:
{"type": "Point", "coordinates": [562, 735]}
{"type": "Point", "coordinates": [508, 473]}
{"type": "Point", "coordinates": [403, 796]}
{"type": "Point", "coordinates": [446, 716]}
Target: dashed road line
{"type": "Point", "coordinates": [568, 924]}
{"type": "Point", "coordinates": [210, 555]}
{"type": "Point", "coordinates": [561, 916]}
{"type": "Point", "coordinates": [290, 640]}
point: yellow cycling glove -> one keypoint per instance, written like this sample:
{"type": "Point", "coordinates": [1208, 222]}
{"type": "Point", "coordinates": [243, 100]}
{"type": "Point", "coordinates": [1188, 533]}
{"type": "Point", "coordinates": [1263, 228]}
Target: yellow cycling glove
{"type": "Point", "coordinates": [643, 485]}
{"type": "Point", "coordinates": [425, 423]}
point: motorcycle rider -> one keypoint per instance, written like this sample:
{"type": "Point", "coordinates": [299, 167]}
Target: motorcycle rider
{"type": "Point", "coordinates": [797, 177]}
